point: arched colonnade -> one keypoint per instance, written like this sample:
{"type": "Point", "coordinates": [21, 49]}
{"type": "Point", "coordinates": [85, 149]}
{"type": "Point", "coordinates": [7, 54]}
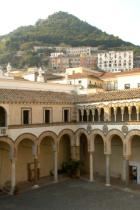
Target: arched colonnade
{"type": "Point", "coordinates": [116, 112]}
{"type": "Point", "coordinates": [108, 155]}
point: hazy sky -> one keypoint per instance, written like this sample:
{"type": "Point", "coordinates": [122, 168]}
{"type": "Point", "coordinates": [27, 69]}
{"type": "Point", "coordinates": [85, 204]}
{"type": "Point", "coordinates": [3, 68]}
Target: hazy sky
{"type": "Point", "coordinates": [118, 17]}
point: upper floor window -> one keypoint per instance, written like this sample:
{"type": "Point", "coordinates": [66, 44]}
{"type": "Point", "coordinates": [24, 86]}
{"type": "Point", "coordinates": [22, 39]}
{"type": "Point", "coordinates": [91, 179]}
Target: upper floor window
{"type": "Point", "coordinates": [47, 115]}
{"type": "Point", "coordinates": [26, 116]}
{"type": "Point", "coordinates": [2, 117]}
{"type": "Point", "coordinates": [138, 85]}
{"type": "Point", "coordinates": [66, 114]}
{"type": "Point", "coordinates": [127, 86]}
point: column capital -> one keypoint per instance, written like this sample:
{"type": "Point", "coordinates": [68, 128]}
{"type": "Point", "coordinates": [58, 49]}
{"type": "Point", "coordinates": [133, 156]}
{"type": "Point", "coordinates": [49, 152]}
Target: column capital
{"type": "Point", "coordinates": [126, 157]}
{"type": "Point", "coordinates": [137, 108]}
{"type": "Point", "coordinates": [122, 109]}
{"type": "Point", "coordinates": [107, 154]}
{"type": "Point", "coordinates": [129, 108]}
{"type": "Point", "coordinates": [91, 151]}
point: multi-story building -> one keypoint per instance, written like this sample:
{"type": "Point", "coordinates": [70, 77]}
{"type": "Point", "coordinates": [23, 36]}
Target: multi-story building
{"type": "Point", "coordinates": [114, 61]}
{"type": "Point", "coordinates": [43, 125]}
{"type": "Point", "coordinates": [59, 62]}
{"type": "Point", "coordinates": [74, 51]}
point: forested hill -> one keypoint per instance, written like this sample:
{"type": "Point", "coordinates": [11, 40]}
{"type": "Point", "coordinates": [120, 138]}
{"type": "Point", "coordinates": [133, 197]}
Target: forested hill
{"type": "Point", "coordinates": [58, 29]}
{"type": "Point", "coordinates": [62, 27]}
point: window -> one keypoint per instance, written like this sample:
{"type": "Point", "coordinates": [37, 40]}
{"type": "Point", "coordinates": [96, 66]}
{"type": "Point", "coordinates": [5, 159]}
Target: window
{"type": "Point", "coordinates": [47, 115]}
{"type": "Point", "coordinates": [127, 86]}
{"type": "Point", "coordinates": [138, 85]}
{"type": "Point", "coordinates": [26, 116]}
{"type": "Point", "coordinates": [79, 81]}
{"type": "Point", "coordinates": [66, 113]}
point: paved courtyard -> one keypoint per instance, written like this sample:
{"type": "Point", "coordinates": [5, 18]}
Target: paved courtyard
{"type": "Point", "coordinates": [72, 195]}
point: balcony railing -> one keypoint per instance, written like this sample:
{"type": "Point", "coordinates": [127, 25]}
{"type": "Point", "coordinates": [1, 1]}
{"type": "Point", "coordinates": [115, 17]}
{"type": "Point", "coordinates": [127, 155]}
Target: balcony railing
{"type": "Point", "coordinates": [68, 123]}
{"type": "Point", "coordinates": [3, 131]}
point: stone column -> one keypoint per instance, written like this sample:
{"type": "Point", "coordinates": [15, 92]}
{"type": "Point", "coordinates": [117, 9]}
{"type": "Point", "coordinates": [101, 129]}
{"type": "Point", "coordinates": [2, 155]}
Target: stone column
{"type": "Point", "coordinates": [87, 112]}
{"type": "Point", "coordinates": [82, 114]}
{"type": "Point", "coordinates": [129, 112]}
{"type": "Point", "coordinates": [122, 112]}
{"type": "Point", "coordinates": [78, 115]}
{"type": "Point", "coordinates": [107, 170]}
{"type": "Point", "coordinates": [93, 113]}
{"type": "Point", "coordinates": [137, 109]}
{"type": "Point", "coordinates": [126, 170]}
{"type": "Point", "coordinates": [13, 175]}
{"type": "Point", "coordinates": [34, 151]}
{"type": "Point", "coordinates": [99, 113]}
{"type": "Point", "coordinates": [55, 163]}
{"type": "Point", "coordinates": [91, 166]}
{"type": "Point", "coordinates": [115, 113]}
{"type": "Point", "coordinates": [77, 152]}
{"type": "Point", "coordinates": [35, 170]}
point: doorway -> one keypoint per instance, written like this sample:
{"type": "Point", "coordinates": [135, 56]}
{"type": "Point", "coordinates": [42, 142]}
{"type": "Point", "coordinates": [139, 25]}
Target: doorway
{"type": "Point", "coordinates": [133, 174]}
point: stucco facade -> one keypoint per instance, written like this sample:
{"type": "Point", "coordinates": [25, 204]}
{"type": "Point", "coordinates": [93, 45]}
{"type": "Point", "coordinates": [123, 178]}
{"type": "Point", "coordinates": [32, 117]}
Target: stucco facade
{"type": "Point", "coordinates": [102, 130]}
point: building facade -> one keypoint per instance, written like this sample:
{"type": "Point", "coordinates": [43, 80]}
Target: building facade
{"type": "Point", "coordinates": [39, 130]}
{"type": "Point", "coordinates": [114, 61]}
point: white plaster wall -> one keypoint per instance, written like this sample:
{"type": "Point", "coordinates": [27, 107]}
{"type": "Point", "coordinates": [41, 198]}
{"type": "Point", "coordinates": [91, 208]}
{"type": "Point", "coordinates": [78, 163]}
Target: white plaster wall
{"type": "Point", "coordinates": [14, 133]}
{"type": "Point", "coordinates": [84, 82]}
{"type": "Point", "coordinates": [132, 80]}
{"type": "Point", "coordinates": [30, 77]}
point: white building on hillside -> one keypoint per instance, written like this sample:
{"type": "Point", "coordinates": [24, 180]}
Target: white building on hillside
{"type": "Point", "coordinates": [80, 50]}
{"type": "Point", "coordinates": [113, 61]}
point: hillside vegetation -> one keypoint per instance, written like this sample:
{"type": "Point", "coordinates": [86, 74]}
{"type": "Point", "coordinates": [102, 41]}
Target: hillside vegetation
{"type": "Point", "coordinates": [59, 29]}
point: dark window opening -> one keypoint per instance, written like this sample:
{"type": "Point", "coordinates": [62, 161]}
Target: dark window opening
{"type": "Point", "coordinates": [2, 117]}
{"type": "Point", "coordinates": [127, 86]}
{"type": "Point", "coordinates": [25, 117]}
{"type": "Point", "coordinates": [66, 115]}
{"type": "Point", "coordinates": [47, 116]}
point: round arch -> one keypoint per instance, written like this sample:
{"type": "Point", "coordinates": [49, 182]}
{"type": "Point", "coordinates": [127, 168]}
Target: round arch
{"type": "Point", "coordinates": [7, 140]}
{"type": "Point", "coordinates": [6, 155]}
{"type": "Point", "coordinates": [68, 132]}
{"type": "Point", "coordinates": [109, 138]}
{"type": "Point", "coordinates": [77, 135]}
{"type": "Point", "coordinates": [129, 137]}
{"type": "Point", "coordinates": [92, 138]}
{"type": "Point", "coordinates": [29, 136]}
{"type": "Point", "coordinates": [47, 134]}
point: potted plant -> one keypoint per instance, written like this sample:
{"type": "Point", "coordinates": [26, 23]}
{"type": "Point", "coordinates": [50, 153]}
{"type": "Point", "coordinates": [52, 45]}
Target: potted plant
{"type": "Point", "coordinates": [72, 168]}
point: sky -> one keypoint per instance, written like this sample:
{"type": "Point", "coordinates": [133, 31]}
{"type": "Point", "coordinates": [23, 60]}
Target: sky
{"type": "Point", "coordinates": [117, 17]}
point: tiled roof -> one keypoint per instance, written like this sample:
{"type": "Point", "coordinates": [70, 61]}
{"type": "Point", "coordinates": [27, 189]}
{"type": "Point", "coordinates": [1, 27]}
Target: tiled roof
{"type": "Point", "coordinates": [32, 96]}
{"type": "Point", "coordinates": [110, 96]}
{"type": "Point", "coordinates": [120, 74]}
{"type": "Point", "coordinates": [84, 75]}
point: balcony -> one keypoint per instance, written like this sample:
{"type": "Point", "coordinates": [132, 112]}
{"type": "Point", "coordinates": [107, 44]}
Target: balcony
{"type": "Point", "coordinates": [3, 131]}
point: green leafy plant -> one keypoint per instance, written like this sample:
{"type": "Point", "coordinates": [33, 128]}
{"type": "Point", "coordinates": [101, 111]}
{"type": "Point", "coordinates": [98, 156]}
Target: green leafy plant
{"type": "Point", "coordinates": [72, 168]}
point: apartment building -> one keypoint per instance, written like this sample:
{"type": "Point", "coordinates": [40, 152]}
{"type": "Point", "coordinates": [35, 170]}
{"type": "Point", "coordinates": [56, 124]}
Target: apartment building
{"type": "Point", "coordinates": [114, 61]}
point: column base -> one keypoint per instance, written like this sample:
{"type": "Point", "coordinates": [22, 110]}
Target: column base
{"type": "Point", "coordinates": [11, 192]}
{"type": "Point", "coordinates": [36, 186]}
{"type": "Point", "coordinates": [108, 185]}
{"type": "Point", "coordinates": [91, 180]}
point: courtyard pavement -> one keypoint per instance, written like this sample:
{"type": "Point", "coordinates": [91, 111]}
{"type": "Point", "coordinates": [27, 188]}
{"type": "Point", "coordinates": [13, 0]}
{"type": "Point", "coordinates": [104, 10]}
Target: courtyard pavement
{"type": "Point", "coordinates": [72, 195]}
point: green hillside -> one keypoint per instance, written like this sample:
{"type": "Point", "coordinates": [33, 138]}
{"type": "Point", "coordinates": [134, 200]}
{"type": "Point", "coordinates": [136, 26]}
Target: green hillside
{"type": "Point", "coordinates": [58, 29]}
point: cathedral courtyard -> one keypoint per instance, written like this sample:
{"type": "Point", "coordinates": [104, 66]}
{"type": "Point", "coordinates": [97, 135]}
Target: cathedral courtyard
{"type": "Point", "coordinates": [73, 195]}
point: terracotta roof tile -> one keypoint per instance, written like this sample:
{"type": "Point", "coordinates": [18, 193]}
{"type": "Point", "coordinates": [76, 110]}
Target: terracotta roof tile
{"type": "Point", "coordinates": [110, 96]}
{"type": "Point", "coordinates": [31, 96]}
